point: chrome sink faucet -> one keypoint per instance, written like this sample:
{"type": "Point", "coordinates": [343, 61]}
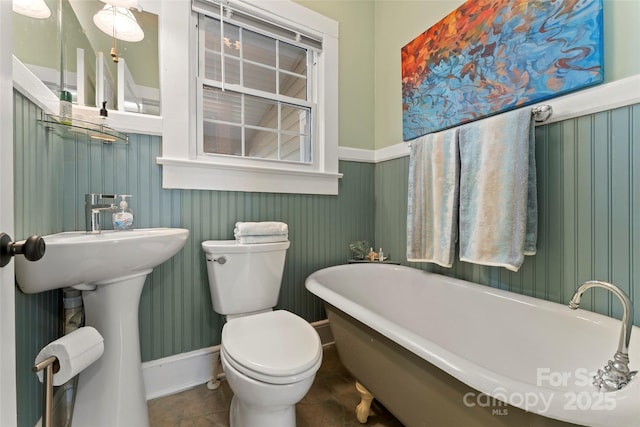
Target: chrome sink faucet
{"type": "Point", "coordinates": [615, 374]}
{"type": "Point", "coordinates": [94, 204]}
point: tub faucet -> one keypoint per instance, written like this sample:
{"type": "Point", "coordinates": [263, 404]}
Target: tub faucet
{"type": "Point", "coordinates": [616, 374]}
{"type": "Point", "coordinates": [93, 205]}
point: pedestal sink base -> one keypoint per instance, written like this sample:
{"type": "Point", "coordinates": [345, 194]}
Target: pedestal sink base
{"type": "Point", "coordinates": [111, 391]}
{"type": "Point", "coordinates": [110, 268]}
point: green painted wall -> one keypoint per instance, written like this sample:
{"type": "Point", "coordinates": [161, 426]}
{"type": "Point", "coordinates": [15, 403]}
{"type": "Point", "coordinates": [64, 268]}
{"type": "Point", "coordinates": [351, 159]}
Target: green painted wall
{"type": "Point", "coordinates": [589, 204]}
{"type": "Point", "coordinates": [356, 67]}
{"type": "Point", "coordinates": [37, 41]}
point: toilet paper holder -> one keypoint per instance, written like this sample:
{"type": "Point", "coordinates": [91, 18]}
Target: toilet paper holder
{"type": "Point", "coordinates": [51, 365]}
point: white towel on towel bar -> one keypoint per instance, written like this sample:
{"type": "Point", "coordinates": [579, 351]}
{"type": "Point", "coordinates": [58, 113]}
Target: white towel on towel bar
{"type": "Point", "coordinates": [498, 205]}
{"type": "Point", "coordinates": [432, 208]}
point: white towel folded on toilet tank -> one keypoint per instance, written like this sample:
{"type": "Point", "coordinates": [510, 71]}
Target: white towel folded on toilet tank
{"type": "Point", "coordinates": [261, 232]}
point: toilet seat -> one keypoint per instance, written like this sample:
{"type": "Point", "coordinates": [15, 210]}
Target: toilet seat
{"type": "Point", "coordinates": [275, 347]}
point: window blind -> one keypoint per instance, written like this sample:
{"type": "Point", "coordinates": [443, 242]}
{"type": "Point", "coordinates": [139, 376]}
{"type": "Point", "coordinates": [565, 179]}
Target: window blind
{"type": "Point", "coordinates": [246, 15]}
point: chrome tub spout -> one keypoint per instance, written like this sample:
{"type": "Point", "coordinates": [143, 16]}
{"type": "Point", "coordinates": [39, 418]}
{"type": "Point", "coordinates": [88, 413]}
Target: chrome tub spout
{"type": "Point", "coordinates": [615, 375]}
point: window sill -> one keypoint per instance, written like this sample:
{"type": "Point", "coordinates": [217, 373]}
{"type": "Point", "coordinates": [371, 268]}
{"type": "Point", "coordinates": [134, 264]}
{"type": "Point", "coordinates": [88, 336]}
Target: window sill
{"type": "Point", "coordinates": [200, 175]}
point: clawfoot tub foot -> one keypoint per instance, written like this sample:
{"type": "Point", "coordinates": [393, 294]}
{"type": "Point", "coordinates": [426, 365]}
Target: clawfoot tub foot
{"type": "Point", "coordinates": [362, 410]}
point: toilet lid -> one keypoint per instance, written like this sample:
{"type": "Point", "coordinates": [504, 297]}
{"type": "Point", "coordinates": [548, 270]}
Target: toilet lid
{"type": "Point", "coordinates": [277, 346]}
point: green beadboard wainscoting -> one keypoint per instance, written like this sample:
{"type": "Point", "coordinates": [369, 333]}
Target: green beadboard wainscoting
{"type": "Point", "coordinates": [38, 210]}
{"type": "Point", "coordinates": [589, 213]}
{"type": "Point", "coordinates": [176, 314]}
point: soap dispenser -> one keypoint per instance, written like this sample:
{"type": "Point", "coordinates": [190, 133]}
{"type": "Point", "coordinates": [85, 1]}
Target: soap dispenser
{"type": "Point", "coordinates": [123, 218]}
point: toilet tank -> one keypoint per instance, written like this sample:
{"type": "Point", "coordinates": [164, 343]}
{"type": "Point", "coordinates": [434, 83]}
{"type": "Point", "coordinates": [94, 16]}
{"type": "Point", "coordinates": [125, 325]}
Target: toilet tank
{"type": "Point", "coordinates": [244, 278]}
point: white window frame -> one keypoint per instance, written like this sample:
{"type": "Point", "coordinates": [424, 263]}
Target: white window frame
{"type": "Point", "coordinates": [183, 168]}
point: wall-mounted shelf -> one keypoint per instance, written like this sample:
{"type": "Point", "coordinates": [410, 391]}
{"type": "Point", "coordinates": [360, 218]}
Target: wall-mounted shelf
{"type": "Point", "coordinates": [95, 131]}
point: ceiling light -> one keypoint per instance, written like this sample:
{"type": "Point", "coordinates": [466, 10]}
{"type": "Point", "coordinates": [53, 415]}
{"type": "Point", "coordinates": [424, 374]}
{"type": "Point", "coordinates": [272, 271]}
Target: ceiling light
{"type": "Point", "coordinates": [32, 8]}
{"type": "Point", "coordinates": [118, 22]}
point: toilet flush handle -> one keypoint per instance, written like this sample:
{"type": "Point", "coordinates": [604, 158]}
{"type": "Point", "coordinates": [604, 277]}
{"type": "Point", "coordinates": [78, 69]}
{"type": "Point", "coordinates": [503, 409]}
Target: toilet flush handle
{"type": "Point", "coordinates": [220, 260]}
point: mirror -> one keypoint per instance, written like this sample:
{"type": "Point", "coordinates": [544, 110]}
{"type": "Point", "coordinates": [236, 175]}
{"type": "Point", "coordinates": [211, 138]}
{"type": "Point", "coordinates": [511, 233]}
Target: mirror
{"type": "Point", "coordinates": [78, 58]}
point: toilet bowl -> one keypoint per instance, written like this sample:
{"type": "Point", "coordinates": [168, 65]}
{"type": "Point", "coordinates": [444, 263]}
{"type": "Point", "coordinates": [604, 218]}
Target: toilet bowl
{"type": "Point", "coordinates": [270, 360]}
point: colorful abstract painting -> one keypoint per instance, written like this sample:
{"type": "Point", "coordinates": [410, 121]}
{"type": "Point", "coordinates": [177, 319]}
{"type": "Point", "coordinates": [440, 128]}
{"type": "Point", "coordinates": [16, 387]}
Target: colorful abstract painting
{"type": "Point", "coordinates": [490, 56]}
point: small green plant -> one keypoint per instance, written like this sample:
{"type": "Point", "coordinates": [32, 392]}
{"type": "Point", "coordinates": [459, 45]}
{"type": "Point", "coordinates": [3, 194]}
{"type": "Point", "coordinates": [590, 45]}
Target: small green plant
{"type": "Point", "coordinates": [359, 249]}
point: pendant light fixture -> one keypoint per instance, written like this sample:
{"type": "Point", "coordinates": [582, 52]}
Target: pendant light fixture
{"type": "Point", "coordinates": [116, 20]}
{"type": "Point", "coordinates": [119, 21]}
{"type": "Point", "coordinates": [32, 8]}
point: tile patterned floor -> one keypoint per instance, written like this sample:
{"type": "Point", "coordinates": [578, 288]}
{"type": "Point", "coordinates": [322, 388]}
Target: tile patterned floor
{"type": "Point", "coordinates": [331, 402]}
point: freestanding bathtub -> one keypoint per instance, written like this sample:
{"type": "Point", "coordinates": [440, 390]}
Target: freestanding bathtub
{"type": "Point", "coordinates": [438, 351]}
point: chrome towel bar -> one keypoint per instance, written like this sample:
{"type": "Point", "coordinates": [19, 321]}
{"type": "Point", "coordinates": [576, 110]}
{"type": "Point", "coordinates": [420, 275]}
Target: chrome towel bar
{"type": "Point", "coordinates": [541, 114]}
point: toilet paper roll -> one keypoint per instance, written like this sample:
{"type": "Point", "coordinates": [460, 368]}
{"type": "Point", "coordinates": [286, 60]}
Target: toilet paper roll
{"type": "Point", "coordinates": [74, 351]}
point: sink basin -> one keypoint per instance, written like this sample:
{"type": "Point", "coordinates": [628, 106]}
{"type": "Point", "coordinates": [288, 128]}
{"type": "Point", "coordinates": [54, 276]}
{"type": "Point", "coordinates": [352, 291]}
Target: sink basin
{"type": "Point", "coordinates": [76, 258]}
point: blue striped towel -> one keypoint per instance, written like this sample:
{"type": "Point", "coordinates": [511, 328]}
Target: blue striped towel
{"type": "Point", "coordinates": [432, 208]}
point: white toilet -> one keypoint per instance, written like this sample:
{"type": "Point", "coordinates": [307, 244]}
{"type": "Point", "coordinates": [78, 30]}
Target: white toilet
{"type": "Point", "coordinates": [270, 358]}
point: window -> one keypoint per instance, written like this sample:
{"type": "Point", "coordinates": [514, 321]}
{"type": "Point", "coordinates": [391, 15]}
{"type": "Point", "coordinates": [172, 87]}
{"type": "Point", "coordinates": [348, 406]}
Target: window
{"type": "Point", "coordinates": [256, 92]}
{"type": "Point", "coordinates": [262, 102]}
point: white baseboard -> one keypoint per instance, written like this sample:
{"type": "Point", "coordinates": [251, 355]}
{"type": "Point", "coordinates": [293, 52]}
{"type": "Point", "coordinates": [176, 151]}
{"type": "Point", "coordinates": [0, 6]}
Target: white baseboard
{"type": "Point", "coordinates": [173, 374]}
{"type": "Point", "coordinates": [179, 372]}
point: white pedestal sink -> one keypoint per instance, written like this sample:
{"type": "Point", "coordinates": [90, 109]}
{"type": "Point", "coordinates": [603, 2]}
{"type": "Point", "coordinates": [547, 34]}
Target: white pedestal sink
{"type": "Point", "coordinates": [110, 268]}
